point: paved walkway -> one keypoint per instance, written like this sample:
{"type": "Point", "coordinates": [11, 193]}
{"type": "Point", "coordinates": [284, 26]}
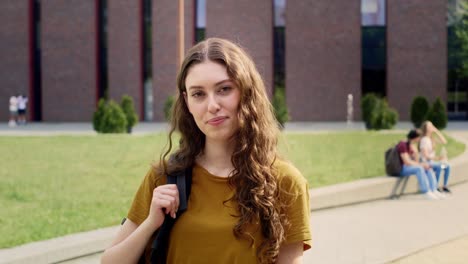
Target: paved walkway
{"type": "Point", "coordinates": [382, 231]}
{"type": "Point", "coordinates": [409, 230]}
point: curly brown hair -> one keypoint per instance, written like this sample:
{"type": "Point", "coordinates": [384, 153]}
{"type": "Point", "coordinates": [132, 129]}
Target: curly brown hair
{"type": "Point", "coordinates": [253, 177]}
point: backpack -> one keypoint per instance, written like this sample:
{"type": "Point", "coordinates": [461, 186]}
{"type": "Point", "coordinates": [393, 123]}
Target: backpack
{"type": "Point", "coordinates": [183, 180]}
{"type": "Point", "coordinates": [158, 254]}
{"type": "Point", "coordinates": [393, 164]}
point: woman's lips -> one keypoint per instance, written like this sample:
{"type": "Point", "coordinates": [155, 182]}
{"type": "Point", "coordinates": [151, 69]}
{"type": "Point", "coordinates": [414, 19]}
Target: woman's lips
{"type": "Point", "coordinates": [217, 120]}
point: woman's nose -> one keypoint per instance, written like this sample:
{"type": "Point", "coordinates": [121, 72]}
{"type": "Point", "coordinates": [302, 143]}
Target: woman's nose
{"type": "Point", "coordinates": [213, 104]}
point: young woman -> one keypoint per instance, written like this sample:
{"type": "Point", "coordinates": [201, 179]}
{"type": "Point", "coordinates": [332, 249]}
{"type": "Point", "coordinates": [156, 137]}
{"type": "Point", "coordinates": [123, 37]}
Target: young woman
{"type": "Point", "coordinates": [246, 205]}
{"type": "Point", "coordinates": [428, 154]}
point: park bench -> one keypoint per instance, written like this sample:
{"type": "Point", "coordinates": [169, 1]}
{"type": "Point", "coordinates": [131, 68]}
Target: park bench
{"type": "Point", "coordinates": [396, 191]}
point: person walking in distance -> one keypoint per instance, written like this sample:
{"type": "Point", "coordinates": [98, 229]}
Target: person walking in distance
{"type": "Point", "coordinates": [22, 105]}
{"type": "Point", "coordinates": [13, 107]}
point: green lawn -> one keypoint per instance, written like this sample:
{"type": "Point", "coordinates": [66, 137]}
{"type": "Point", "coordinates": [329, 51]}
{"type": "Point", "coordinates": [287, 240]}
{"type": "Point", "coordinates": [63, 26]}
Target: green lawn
{"type": "Point", "coordinates": [52, 186]}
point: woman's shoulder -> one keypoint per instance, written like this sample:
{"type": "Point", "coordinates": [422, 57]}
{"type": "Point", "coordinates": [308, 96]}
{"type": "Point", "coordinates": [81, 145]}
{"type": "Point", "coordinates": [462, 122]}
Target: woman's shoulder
{"type": "Point", "coordinates": [154, 175]}
{"type": "Point", "coordinates": [287, 173]}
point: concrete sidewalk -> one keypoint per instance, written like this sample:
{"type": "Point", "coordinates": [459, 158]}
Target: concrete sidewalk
{"type": "Point", "coordinates": [385, 230]}
{"type": "Point", "coordinates": [379, 231]}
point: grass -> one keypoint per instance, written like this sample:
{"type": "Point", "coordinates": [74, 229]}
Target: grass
{"type": "Point", "coordinates": [53, 186]}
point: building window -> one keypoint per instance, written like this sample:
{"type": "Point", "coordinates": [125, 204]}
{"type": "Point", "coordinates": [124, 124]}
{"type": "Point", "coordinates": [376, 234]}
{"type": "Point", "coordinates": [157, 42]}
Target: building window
{"type": "Point", "coordinates": [374, 55]}
{"type": "Point", "coordinates": [102, 89]}
{"type": "Point", "coordinates": [36, 93]}
{"type": "Point", "coordinates": [147, 60]}
{"type": "Point", "coordinates": [457, 41]}
{"type": "Point", "coordinates": [279, 42]}
{"type": "Point", "coordinates": [373, 13]}
{"type": "Point", "coordinates": [200, 20]}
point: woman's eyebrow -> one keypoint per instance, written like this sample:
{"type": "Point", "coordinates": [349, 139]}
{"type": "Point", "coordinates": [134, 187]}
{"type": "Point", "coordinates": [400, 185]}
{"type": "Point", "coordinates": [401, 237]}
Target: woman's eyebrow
{"type": "Point", "coordinates": [220, 82]}
{"type": "Point", "coordinates": [201, 87]}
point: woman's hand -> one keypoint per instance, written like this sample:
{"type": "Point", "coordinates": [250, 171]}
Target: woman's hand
{"type": "Point", "coordinates": [165, 201]}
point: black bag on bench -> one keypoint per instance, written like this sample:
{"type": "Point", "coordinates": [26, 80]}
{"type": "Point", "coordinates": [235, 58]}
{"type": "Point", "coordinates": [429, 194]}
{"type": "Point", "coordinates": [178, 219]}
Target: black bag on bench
{"type": "Point", "coordinates": [393, 164]}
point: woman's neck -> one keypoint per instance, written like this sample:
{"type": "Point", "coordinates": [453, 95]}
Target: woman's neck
{"type": "Point", "coordinates": [216, 157]}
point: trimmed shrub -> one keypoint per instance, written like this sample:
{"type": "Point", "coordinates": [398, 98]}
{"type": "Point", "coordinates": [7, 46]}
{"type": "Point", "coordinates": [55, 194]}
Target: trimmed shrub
{"type": "Point", "coordinates": [280, 107]}
{"type": "Point", "coordinates": [383, 116]}
{"type": "Point", "coordinates": [437, 114]}
{"type": "Point", "coordinates": [369, 103]}
{"type": "Point", "coordinates": [114, 120]}
{"type": "Point", "coordinates": [168, 107]}
{"type": "Point", "coordinates": [129, 111]}
{"type": "Point", "coordinates": [98, 115]}
{"type": "Point", "coordinates": [419, 110]}
{"type": "Point", "coordinates": [109, 118]}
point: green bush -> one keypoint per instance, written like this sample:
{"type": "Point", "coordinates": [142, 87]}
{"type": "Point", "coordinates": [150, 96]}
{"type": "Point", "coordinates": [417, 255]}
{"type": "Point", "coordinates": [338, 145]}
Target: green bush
{"type": "Point", "coordinates": [109, 118]}
{"type": "Point", "coordinates": [280, 107]}
{"type": "Point", "coordinates": [419, 110]}
{"type": "Point", "coordinates": [98, 115]}
{"type": "Point", "coordinates": [168, 107]}
{"type": "Point", "coordinates": [369, 104]}
{"type": "Point", "coordinates": [437, 114]}
{"type": "Point", "coordinates": [129, 111]}
{"type": "Point", "coordinates": [114, 120]}
{"type": "Point", "coordinates": [383, 116]}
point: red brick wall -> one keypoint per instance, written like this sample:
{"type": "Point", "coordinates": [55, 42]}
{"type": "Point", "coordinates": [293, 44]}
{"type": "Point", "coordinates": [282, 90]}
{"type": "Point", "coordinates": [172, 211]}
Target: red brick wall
{"type": "Point", "coordinates": [249, 23]}
{"type": "Point", "coordinates": [323, 59]}
{"type": "Point", "coordinates": [124, 51]}
{"type": "Point", "coordinates": [68, 60]}
{"type": "Point", "coordinates": [417, 52]}
{"type": "Point", "coordinates": [14, 52]}
{"type": "Point", "coordinates": [165, 63]}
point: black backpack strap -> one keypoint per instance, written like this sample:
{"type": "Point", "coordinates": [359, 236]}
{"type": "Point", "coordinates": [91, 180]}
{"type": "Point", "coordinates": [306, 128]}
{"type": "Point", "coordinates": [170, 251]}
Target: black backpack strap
{"type": "Point", "coordinates": [183, 180]}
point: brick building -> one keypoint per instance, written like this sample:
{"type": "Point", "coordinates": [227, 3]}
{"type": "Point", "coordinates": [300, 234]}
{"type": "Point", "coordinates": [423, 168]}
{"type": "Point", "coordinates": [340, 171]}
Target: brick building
{"type": "Point", "coordinates": [65, 55]}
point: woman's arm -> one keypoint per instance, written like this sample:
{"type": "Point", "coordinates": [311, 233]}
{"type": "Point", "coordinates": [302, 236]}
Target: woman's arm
{"type": "Point", "coordinates": [440, 137]}
{"type": "Point", "coordinates": [291, 253]}
{"type": "Point", "coordinates": [408, 161]}
{"type": "Point", "coordinates": [131, 239]}
{"type": "Point", "coordinates": [129, 244]}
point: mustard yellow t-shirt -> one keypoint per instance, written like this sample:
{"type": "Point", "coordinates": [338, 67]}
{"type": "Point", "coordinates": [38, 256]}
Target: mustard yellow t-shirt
{"type": "Point", "coordinates": [204, 233]}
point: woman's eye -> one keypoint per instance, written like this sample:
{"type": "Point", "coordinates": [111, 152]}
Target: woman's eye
{"type": "Point", "coordinates": [197, 94]}
{"type": "Point", "coordinates": [225, 89]}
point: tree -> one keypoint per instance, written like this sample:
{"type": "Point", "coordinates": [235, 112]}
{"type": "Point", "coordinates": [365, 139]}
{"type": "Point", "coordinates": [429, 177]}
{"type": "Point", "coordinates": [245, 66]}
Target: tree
{"type": "Point", "coordinates": [419, 109]}
{"type": "Point", "coordinates": [437, 114]}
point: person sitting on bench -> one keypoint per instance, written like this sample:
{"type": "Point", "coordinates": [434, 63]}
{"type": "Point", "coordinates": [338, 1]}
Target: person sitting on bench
{"type": "Point", "coordinates": [411, 166]}
{"type": "Point", "coordinates": [427, 147]}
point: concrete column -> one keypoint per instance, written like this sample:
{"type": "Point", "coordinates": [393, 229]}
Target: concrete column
{"type": "Point", "coordinates": [14, 52]}
{"type": "Point", "coordinates": [416, 52]}
{"type": "Point", "coordinates": [248, 23]}
{"type": "Point", "coordinates": [323, 59]}
{"type": "Point", "coordinates": [69, 50]}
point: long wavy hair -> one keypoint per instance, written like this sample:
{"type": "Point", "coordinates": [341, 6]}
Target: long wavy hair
{"type": "Point", "coordinates": [425, 128]}
{"type": "Point", "coordinates": [253, 178]}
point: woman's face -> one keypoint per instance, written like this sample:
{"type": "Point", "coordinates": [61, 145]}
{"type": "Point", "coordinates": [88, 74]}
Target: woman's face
{"type": "Point", "coordinates": [213, 100]}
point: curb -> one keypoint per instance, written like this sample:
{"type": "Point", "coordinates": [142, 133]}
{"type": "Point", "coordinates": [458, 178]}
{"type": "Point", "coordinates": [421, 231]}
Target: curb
{"type": "Point", "coordinates": [59, 249]}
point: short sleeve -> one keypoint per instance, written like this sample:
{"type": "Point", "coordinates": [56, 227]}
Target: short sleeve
{"type": "Point", "coordinates": [294, 192]}
{"type": "Point", "coordinates": [402, 147]}
{"type": "Point", "coordinates": [142, 201]}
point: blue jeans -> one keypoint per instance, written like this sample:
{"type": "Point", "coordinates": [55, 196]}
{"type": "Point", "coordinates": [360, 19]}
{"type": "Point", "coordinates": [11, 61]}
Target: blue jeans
{"type": "Point", "coordinates": [426, 178]}
{"type": "Point", "coordinates": [437, 167]}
